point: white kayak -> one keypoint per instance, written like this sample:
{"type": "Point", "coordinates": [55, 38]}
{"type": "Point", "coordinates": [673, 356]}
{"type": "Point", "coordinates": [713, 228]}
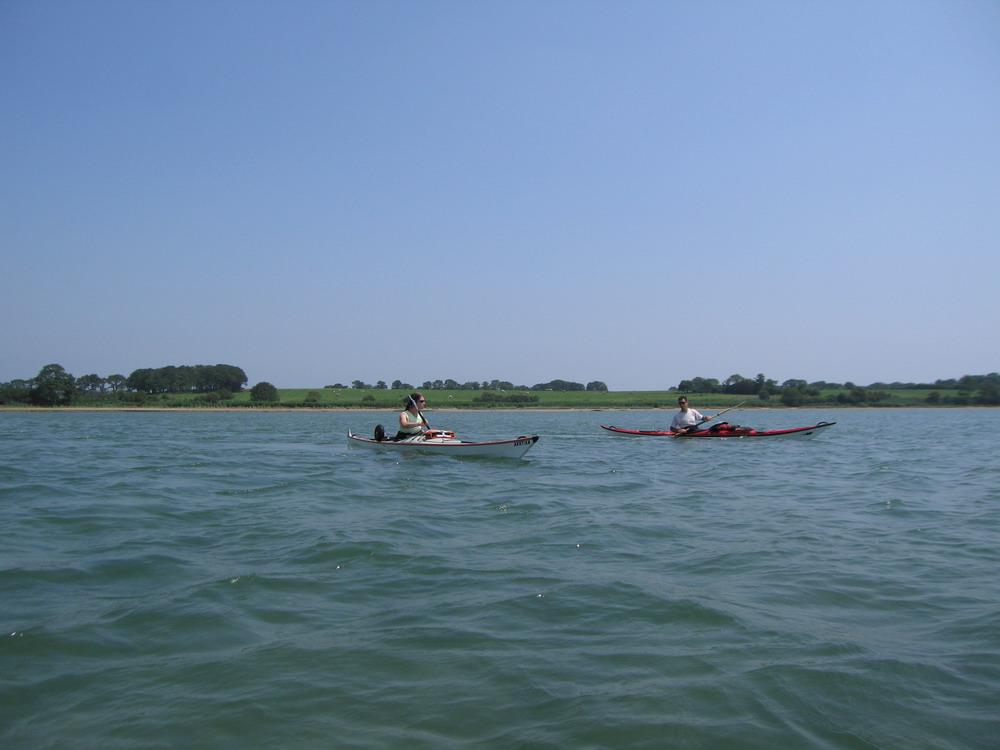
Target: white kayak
{"type": "Point", "coordinates": [445, 443]}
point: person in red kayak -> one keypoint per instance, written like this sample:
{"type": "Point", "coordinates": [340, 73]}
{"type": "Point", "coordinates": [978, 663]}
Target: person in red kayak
{"type": "Point", "coordinates": [687, 418]}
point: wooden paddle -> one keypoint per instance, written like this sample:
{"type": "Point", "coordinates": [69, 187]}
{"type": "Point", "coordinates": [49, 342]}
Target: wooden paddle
{"type": "Point", "coordinates": [707, 419]}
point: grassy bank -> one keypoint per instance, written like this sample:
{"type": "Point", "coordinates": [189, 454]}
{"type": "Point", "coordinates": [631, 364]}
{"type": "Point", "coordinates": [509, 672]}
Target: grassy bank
{"type": "Point", "coordinates": [349, 398]}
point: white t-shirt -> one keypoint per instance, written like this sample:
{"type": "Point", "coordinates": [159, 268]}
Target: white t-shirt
{"type": "Point", "coordinates": [687, 418]}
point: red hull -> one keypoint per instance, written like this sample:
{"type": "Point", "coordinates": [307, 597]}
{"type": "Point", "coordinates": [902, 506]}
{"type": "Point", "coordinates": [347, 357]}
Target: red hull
{"type": "Point", "coordinates": [735, 432]}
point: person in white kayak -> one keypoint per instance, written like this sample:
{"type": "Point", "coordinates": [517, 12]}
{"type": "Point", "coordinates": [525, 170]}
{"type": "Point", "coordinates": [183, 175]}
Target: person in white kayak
{"type": "Point", "coordinates": [687, 418]}
{"type": "Point", "coordinates": [411, 421]}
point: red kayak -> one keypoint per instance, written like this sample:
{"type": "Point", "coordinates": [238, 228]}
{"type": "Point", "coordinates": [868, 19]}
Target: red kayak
{"type": "Point", "coordinates": [725, 430]}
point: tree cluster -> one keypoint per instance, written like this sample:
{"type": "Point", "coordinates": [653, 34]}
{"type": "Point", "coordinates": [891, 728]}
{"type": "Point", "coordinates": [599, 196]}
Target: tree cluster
{"type": "Point", "coordinates": [264, 392]}
{"type": "Point", "coordinates": [53, 386]}
{"type": "Point", "coordinates": [974, 389]}
{"type": "Point", "coordinates": [475, 385]}
{"type": "Point", "coordinates": [187, 378]}
{"type": "Point", "coordinates": [735, 384]}
{"type": "Point", "coordinates": [471, 385]}
{"type": "Point", "coordinates": [558, 385]}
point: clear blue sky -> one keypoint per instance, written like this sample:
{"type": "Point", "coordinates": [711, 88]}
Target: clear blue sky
{"type": "Point", "coordinates": [633, 192]}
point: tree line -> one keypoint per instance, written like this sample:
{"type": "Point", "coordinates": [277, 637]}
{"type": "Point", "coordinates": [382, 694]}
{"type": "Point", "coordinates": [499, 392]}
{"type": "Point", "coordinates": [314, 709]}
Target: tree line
{"type": "Point", "coordinates": [53, 386]}
{"type": "Point", "coordinates": [973, 389]}
{"type": "Point", "coordinates": [475, 385]}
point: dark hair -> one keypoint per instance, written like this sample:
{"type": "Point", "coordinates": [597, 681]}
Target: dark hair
{"type": "Point", "coordinates": [413, 399]}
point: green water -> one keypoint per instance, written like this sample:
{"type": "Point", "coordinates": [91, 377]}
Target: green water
{"type": "Point", "coordinates": [247, 580]}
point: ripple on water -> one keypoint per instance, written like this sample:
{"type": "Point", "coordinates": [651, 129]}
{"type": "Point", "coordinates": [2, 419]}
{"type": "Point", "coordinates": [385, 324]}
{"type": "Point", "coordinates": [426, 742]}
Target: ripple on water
{"type": "Point", "coordinates": [245, 579]}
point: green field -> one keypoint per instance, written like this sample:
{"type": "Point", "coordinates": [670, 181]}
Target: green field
{"type": "Point", "coordinates": [349, 398]}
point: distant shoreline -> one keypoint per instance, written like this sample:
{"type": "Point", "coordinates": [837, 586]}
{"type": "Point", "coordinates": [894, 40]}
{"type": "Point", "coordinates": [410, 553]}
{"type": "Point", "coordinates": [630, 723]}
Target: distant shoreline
{"type": "Point", "coordinates": [378, 399]}
{"type": "Point", "coordinates": [446, 409]}
{"type": "Point", "coordinates": [316, 409]}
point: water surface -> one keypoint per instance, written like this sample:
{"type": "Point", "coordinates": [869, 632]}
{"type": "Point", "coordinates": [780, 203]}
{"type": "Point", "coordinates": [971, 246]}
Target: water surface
{"type": "Point", "coordinates": [246, 579]}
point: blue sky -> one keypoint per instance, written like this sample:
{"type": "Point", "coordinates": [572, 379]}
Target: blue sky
{"type": "Point", "coordinates": [634, 192]}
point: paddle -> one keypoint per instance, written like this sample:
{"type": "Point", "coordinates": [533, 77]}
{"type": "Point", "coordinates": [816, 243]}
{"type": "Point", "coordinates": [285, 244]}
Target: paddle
{"type": "Point", "coordinates": [695, 426]}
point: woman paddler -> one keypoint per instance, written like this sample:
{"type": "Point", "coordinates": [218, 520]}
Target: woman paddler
{"type": "Point", "coordinates": [411, 421]}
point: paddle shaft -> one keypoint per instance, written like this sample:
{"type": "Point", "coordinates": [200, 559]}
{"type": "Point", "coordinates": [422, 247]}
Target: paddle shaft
{"type": "Point", "coordinates": [719, 414]}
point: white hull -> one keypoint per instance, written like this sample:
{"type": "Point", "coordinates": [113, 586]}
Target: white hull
{"type": "Point", "coordinates": [514, 448]}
